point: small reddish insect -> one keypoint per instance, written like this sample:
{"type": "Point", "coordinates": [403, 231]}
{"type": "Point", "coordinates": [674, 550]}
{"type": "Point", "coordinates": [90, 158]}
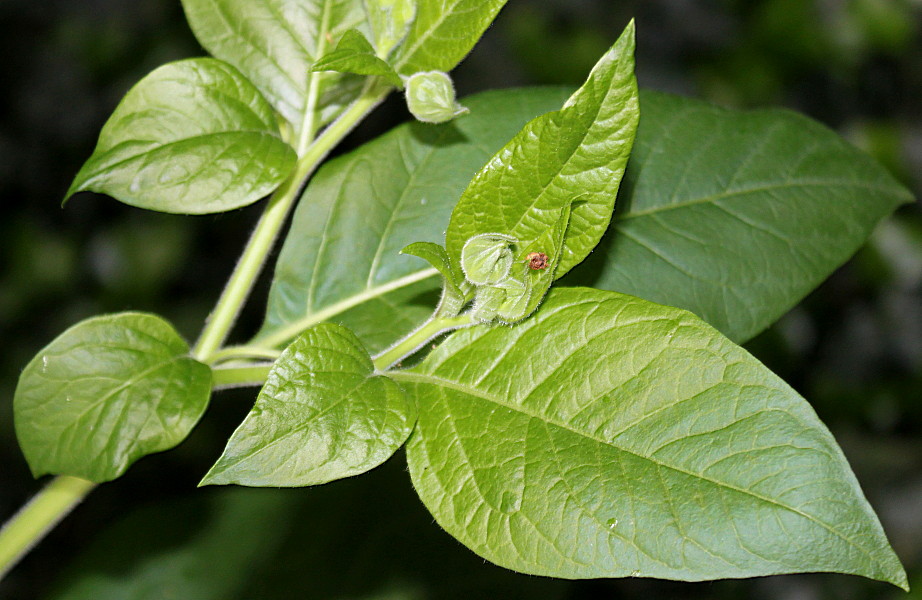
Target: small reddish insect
{"type": "Point", "coordinates": [537, 260]}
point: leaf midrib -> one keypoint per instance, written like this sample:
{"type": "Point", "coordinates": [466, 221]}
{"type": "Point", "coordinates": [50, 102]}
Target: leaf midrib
{"type": "Point", "coordinates": [713, 198]}
{"type": "Point", "coordinates": [438, 381]}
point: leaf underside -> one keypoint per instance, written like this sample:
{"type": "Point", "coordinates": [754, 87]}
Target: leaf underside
{"type": "Point", "coordinates": [608, 436]}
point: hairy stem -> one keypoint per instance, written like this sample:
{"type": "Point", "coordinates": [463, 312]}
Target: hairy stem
{"type": "Point", "coordinates": [240, 375]}
{"type": "Point", "coordinates": [38, 517]}
{"type": "Point", "coordinates": [415, 340]}
{"type": "Point", "coordinates": [241, 282]}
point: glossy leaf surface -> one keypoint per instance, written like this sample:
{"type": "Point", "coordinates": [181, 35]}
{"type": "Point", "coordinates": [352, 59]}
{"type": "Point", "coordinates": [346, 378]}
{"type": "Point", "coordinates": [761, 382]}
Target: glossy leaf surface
{"type": "Point", "coordinates": [105, 393]}
{"type": "Point", "coordinates": [578, 152]}
{"type": "Point", "coordinates": [736, 215]}
{"type": "Point", "coordinates": [354, 54]}
{"type": "Point", "coordinates": [275, 43]}
{"type": "Point", "coordinates": [341, 259]}
{"type": "Point", "coordinates": [608, 436]}
{"type": "Point", "coordinates": [322, 415]}
{"type": "Point", "coordinates": [443, 32]}
{"type": "Point", "coordinates": [192, 137]}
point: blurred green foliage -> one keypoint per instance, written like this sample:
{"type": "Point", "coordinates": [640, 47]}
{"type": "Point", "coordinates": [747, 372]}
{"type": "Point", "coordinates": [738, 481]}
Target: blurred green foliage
{"type": "Point", "coordinates": [854, 347]}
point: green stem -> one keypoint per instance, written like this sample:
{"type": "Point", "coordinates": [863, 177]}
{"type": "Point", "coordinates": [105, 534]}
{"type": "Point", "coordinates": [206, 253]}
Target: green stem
{"type": "Point", "coordinates": [418, 338]}
{"type": "Point", "coordinates": [243, 375]}
{"type": "Point", "coordinates": [38, 517]}
{"type": "Point", "coordinates": [238, 288]}
{"type": "Point", "coordinates": [238, 352]}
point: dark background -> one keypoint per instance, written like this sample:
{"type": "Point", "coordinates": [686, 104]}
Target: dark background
{"type": "Point", "coordinates": [853, 348]}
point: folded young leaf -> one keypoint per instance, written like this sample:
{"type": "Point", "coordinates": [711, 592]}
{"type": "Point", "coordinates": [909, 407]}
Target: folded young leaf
{"type": "Point", "coordinates": [105, 393]}
{"type": "Point", "coordinates": [579, 151]}
{"type": "Point", "coordinates": [323, 415]}
{"type": "Point", "coordinates": [431, 97]}
{"type": "Point", "coordinates": [354, 54]}
{"type": "Point", "coordinates": [443, 32]}
{"type": "Point", "coordinates": [361, 209]}
{"type": "Point", "coordinates": [193, 137]}
{"type": "Point", "coordinates": [275, 43]}
{"type": "Point", "coordinates": [784, 203]}
{"type": "Point", "coordinates": [557, 446]}
{"type": "Point", "coordinates": [454, 293]}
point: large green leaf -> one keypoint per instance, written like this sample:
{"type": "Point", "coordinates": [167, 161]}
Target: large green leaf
{"type": "Point", "coordinates": [275, 43]}
{"type": "Point", "coordinates": [341, 259]}
{"type": "Point", "coordinates": [443, 32]}
{"type": "Point", "coordinates": [106, 392]}
{"type": "Point", "coordinates": [735, 215]}
{"type": "Point", "coordinates": [609, 436]}
{"type": "Point", "coordinates": [323, 415]}
{"type": "Point", "coordinates": [578, 153]}
{"type": "Point", "coordinates": [192, 137]}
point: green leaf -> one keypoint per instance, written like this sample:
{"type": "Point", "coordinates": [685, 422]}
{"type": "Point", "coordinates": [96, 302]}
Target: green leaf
{"type": "Point", "coordinates": [443, 32]}
{"type": "Point", "coordinates": [608, 436]}
{"type": "Point", "coordinates": [354, 54]}
{"type": "Point", "coordinates": [341, 259]}
{"type": "Point", "coordinates": [579, 151]}
{"type": "Point", "coordinates": [106, 392]}
{"type": "Point", "coordinates": [193, 137]}
{"type": "Point", "coordinates": [454, 293]}
{"type": "Point", "coordinates": [323, 415]}
{"type": "Point", "coordinates": [736, 215]}
{"type": "Point", "coordinates": [431, 97]}
{"type": "Point", "coordinates": [390, 20]}
{"type": "Point", "coordinates": [275, 42]}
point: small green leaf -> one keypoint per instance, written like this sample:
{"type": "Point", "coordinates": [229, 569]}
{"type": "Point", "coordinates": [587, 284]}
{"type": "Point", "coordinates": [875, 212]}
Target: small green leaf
{"type": "Point", "coordinates": [454, 293]}
{"type": "Point", "coordinates": [341, 259]}
{"type": "Point", "coordinates": [354, 54]}
{"type": "Point", "coordinates": [105, 393]}
{"type": "Point", "coordinates": [431, 97]}
{"type": "Point", "coordinates": [443, 32]}
{"type": "Point", "coordinates": [192, 137]}
{"type": "Point", "coordinates": [736, 215]}
{"type": "Point", "coordinates": [579, 151]}
{"type": "Point", "coordinates": [557, 446]}
{"type": "Point", "coordinates": [274, 43]}
{"type": "Point", "coordinates": [390, 20]}
{"type": "Point", "coordinates": [323, 415]}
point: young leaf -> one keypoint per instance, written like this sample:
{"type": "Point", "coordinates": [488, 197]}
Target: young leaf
{"type": "Point", "coordinates": [785, 201]}
{"type": "Point", "coordinates": [342, 258]}
{"type": "Point", "coordinates": [275, 42]}
{"type": "Point", "coordinates": [354, 54]}
{"type": "Point", "coordinates": [390, 20]}
{"type": "Point", "coordinates": [557, 446]}
{"type": "Point", "coordinates": [431, 97]}
{"type": "Point", "coordinates": [454, 293]}
{"type": "Point", "coordinates": [192, 137]}
{"type": "Point", "coordinates": [443, 32]}
{"type": "Point", "coordinates": [323, 415]}
{"type": "Point", "coordinates": [105, 393]}
{"type": "Point", "coordinates": [579, 151]}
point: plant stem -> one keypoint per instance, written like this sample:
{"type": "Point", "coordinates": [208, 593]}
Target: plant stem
{"type": "Point", "coordinates": [243, 352]}
{"type": "Point", "coordinates": [38, 517]}
{"type": "Point", "coordinates": [254, 255]}
{"type": "Point", "coordinates": [244, 375]}
{"type": "Point", "coordinates": [418, 338]}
